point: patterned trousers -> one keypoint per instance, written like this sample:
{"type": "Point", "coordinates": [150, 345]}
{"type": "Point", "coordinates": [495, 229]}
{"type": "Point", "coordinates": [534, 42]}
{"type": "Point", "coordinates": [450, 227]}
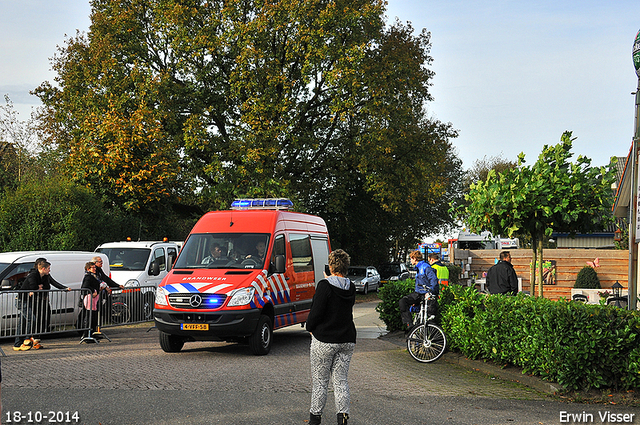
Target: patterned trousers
{"type": "Point", "coordinates": [330, 360]}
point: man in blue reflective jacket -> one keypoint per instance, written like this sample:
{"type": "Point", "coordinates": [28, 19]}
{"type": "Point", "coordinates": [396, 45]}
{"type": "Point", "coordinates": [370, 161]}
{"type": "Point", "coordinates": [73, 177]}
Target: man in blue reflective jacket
{"type": "Point", "coordinates": [426, 281]}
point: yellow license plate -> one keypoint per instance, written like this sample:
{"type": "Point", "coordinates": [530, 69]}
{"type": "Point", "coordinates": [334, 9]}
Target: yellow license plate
{"type": "Point", "coordinates": [194, 326]}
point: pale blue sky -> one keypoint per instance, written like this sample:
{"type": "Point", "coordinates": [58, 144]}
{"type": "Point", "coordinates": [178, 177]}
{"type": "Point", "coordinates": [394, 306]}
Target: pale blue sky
{"type": "Point", "coordinates": [511, 76]}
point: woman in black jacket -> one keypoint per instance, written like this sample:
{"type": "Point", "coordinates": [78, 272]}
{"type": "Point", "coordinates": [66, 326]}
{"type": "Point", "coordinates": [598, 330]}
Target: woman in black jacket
{"type": "Point", "coordinates": [91, 293]}
{"type": "Point", "coordinates": [333, 338]}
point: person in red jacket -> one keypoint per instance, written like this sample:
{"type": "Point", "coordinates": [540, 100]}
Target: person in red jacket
{"type": "Point", "coordinates": [333, 338]}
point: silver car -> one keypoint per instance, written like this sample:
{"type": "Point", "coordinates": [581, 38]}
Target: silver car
{"type": "Point", "coordinates": [364, 278]}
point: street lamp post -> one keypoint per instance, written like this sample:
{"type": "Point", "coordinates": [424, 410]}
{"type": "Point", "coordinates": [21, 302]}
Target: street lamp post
{"type": "Point", "coordinates": [633, 225]}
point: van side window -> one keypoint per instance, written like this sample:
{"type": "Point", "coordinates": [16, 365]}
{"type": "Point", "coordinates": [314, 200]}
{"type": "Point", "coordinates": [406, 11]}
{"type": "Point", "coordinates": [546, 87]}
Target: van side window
{"type": "Point", "coordinates": [158, 256]}
{"type": "Point", "coordinates": [301, 253]}
{"type": "Point", "coordinates": [172, 254]}
{"type": "Point", "coordinates": [19, 272]}
{"type": "Point", "coordinates": [279, 246]}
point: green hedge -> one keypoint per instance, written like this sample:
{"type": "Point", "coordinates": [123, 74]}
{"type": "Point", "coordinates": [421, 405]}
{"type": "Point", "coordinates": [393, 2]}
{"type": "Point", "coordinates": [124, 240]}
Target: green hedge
{"type": "Point", "coordinates": [580, 346]}
{"type": "Point", "coordinates": [389, 295]}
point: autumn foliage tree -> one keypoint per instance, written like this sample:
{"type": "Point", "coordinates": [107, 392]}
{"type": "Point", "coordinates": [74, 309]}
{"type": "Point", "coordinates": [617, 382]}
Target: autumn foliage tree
{"type": "Point", "coordinates": [191, 101]}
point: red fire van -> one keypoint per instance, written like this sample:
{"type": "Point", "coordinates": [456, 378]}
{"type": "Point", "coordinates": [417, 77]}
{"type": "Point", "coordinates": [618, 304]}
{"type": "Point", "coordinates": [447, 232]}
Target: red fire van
{"type": "Point", "coordinates": [241, 274]}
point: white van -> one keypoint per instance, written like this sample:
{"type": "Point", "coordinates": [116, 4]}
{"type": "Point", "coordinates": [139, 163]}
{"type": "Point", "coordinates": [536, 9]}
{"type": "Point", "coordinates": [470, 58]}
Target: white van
{"type": "Point", "coordinates": [139, 263]}
{"type": "Point", "coordinates": [67, 268]}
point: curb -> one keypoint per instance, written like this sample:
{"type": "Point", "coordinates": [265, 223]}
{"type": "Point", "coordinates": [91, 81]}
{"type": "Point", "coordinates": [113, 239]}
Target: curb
{"type": "Point", "coordinates": [507, 373]}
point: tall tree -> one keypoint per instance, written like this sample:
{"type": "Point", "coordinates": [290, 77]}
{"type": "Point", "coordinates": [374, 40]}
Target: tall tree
{"type": "Point", "coordinates": [253, 98]}
{"type": "Point", "coordinates": [17, 146]}
{"type": "Point", "coordinates": [552, 195]}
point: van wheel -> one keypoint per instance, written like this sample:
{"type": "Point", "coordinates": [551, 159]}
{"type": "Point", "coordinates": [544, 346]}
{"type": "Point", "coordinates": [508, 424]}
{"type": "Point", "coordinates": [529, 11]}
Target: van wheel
{"type": "Point", "coordinates": [171, 343]}
{"type": "Point", "coordinates": [260, 340]}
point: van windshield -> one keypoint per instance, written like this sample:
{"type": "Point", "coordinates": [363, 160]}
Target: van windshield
{"type": "Point", "coordinates": [224, 251]}
{"type": "Point", "coordinates": [130, 259]}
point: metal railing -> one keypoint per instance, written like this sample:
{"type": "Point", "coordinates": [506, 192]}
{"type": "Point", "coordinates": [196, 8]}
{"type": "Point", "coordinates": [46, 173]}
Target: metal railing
{"type": "Point", "coordinates": [26, 313]}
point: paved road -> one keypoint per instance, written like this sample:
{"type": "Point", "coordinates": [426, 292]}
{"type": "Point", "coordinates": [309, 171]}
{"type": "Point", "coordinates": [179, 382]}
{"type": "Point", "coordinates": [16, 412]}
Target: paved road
{"type": "Point", "coordinates": [131, 381]}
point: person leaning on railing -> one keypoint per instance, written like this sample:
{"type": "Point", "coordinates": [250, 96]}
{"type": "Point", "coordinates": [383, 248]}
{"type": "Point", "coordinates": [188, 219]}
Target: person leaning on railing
{"type": "Point", "coordinates": [102, 276]}
{"type": "Point", "coordinates": [43, 310]}
{"type": "Point", "coordinates": [30, 304]}
{"type": "Point", "coordinates": [90, 283]}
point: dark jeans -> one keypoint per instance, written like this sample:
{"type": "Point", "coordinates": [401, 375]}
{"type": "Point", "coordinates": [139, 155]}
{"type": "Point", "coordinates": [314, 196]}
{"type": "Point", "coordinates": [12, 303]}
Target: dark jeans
{"type": "Point", "coordinates": [89, 319]}
{"type": "Point", "coordinates": [25, 322]}
{"type": "Point", "coordinates": [414, 298]}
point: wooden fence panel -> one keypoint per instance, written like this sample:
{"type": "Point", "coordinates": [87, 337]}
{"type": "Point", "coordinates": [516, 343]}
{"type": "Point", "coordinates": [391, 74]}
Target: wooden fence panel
{"type": "Point", "coordinates": [613, 266]}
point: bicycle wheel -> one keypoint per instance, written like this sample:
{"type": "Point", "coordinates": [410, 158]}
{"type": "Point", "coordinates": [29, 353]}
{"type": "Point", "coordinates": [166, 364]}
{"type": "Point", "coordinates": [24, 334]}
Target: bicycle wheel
{"type": "Point", "coordinates": [427, 343]}
{"type": "Point", "coordinates": [120, 313]}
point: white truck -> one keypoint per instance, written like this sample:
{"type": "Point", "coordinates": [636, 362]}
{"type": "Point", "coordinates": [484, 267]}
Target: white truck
{"type": "Point", "coordinates": [485, 240]}
{"type": "Point", "coordinates": [139, 263]}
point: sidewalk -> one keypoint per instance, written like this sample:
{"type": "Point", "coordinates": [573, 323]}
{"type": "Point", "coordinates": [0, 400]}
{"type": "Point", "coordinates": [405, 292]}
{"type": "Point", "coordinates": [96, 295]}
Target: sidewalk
{"type": "Point", "coordinates": [369, 325]}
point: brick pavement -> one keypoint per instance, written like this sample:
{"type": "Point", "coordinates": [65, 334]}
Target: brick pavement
{"type": "Point", "coordinates": [132, 381]}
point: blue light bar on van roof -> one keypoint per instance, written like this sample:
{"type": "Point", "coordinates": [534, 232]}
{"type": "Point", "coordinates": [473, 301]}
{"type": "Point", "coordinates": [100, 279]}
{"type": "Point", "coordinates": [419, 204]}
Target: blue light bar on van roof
{"type": "Point", "coordinates": [262, 204]}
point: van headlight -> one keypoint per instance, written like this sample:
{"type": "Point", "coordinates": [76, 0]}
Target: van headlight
{"type": "Point", "coordinates": [131, 283]}
{"type": "Point", "coordinates": [241, 297]}
{"type": "Point", "coordinates": [161, 296]}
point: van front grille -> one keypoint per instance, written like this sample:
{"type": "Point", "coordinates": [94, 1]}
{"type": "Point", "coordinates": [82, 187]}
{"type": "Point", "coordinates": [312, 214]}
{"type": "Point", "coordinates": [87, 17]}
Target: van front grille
{"type": "Point", "coordinates": [197, 301]}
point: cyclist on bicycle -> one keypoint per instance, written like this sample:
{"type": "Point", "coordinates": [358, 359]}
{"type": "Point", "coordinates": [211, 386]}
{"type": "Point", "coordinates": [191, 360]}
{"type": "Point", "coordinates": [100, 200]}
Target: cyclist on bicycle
{"type": "Point", "coordinates": [426, 281]}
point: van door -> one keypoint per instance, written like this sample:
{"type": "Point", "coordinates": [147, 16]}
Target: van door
{"type": "Point", "coordinates": [320, 249]}
{"type": "Point", "coordinates": [303, 275]}
{"type": "Point", "coordinates": [159, 257]}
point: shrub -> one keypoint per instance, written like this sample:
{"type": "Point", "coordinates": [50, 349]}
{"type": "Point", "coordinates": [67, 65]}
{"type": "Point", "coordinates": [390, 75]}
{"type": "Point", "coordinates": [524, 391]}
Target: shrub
{"type": "Point", "coordinates": [580, 346]}
{"type": "Point", "coordinates": [454, 272]}
{"type": "Point", "coordinates": [587, 279]}
{"type": "Point", "coordinates": [389, 296]}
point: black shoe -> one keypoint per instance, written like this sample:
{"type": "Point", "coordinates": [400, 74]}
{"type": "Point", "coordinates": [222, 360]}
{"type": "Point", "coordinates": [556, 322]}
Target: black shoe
{"type": "Point", "coordinates": [314, 419]}
{"type": "Point", "coordinates": [342, 418]}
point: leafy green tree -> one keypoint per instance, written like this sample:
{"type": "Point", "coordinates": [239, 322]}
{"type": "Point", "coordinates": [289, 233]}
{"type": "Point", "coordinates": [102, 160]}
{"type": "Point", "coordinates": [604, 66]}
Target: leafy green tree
{"type": "Point", "coordinates": [51, 215]}
{"type": "Point", "coordinates": [552, 195]}
{"type": "Point", "coordinates": [17, 144]}
{"type": "Point", "coordinates": [191, 102]}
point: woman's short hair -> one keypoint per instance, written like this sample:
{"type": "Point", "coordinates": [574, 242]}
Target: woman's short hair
{"type": "Point", "coordinates": [416, 255]}
{"type": "Point", "coordinates": [88, 265]}
{"type": "Point", "coordinates": [339, 262]}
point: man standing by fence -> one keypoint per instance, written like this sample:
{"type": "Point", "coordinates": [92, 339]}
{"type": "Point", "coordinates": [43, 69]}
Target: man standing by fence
{"type": "Point", "coordinates": [501, 277]}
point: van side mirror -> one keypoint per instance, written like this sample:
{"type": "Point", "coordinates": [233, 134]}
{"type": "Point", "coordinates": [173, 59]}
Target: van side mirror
{"type": "Point", "coordinates": [279, 266]}
{"type": "Point", "coordinates": [154, 270]}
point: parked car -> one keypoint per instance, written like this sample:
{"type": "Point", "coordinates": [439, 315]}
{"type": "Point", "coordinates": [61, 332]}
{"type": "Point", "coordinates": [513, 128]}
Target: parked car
{"type": "Point", "coordinates": [364, 278]}
{"type": "Point", "coordinates": [393, 271]}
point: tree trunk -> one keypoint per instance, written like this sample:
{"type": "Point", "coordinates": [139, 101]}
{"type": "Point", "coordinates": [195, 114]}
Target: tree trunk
{"type": "Point", "coordinates": [540, 281]}
{"type": "Point", "coordinates": [534, 245]}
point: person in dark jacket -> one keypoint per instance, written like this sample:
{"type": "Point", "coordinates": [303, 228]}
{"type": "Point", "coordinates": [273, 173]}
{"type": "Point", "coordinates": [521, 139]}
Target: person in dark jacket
{"type": "Point", "coordinates": [44, 316]}
{"type": "Point", "coordinates": [501, 277]}
{"type": "Point", "coordinates": [333, 338]}
{"type": "Point", "coordinates": [30, 305]}
{"type": "Point", "coordinates": [91, 289]}
{"type": "Point", "coordinates": [102, 276]}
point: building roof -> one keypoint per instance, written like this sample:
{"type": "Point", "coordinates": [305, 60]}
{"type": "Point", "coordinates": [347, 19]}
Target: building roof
{"type": "Point", "coordinates": [623, 190]}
